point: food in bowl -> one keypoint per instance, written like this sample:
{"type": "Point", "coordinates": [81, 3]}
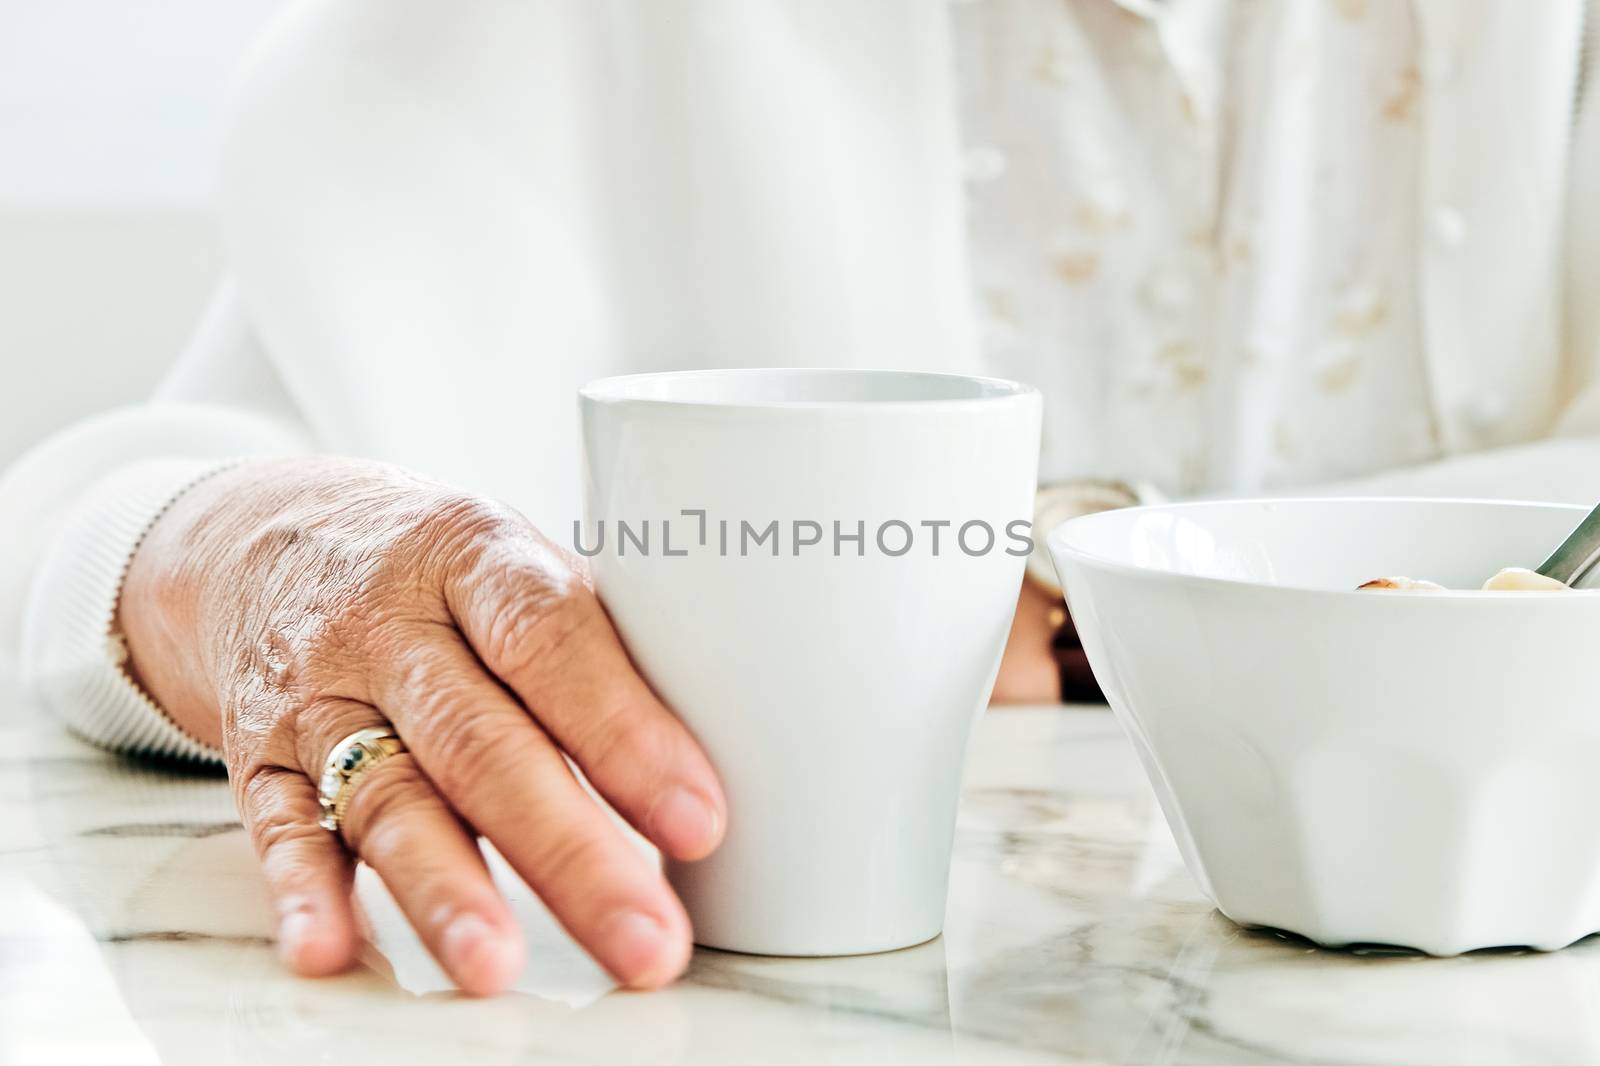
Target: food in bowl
{"type": "Point", "coordinates": [1519, 579]}
{"type": "Point", "coordinates": [1414, 770]}
{"type": "Point", "coordinates": [1508, 579]}
{"type": "Point", "coordinates": [1401, 584]}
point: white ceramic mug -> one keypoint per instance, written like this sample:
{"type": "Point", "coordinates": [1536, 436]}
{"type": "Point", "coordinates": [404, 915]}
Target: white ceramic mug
{"type": "Point", "coordinates": [832, 681]}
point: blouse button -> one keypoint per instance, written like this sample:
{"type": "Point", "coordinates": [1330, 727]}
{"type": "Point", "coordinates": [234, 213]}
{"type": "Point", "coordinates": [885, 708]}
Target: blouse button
{"type": "Point", "coordinates": [1167, 293]}
{"type": "Point", "coordinates": [1439, 66]}
{"type": "Point", "coordinates": [983, 164]}
{"type": "Point", "coordinates": [1421, 433]}
{"type": "Point", "coordinates": [1448, 227]}
{"type": "Point", "coordinates": [1483, 414]}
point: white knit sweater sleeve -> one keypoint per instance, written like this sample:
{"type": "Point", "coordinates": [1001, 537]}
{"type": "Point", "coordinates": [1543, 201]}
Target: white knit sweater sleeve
{"type": "Point", "coordinates": [72, 654]}
{"type": "Point", "coordinates": [75, 507]}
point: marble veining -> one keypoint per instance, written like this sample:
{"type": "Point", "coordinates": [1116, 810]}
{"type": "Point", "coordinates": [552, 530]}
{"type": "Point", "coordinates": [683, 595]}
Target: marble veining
{"type": "Point", "coordinates": [133, 929]}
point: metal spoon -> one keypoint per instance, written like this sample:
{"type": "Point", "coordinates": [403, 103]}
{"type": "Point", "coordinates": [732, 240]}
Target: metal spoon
{"type": "Point", "coordinates": [1578, 554]}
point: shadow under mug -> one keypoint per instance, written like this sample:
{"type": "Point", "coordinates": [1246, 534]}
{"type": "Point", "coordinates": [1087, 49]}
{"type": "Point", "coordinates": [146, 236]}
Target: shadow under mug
{"type": "Point", "coordinates": [816, 570]}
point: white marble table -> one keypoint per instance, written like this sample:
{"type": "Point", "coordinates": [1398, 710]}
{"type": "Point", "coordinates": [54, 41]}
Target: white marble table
{"type": "Point", "coordinates": [133, 930]}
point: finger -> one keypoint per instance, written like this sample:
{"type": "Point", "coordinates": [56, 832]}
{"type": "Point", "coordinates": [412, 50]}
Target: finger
{"type": "Point", "coordinates": [308, 871]}
{"type": "Point", "coordinates": [399, 825]}
{"type": "Point", "coordinates": [396, 821]}
{"type": "Point", "coordinates": [546, 635]}
{"type": "Point", "coordinates": [502, 773]}
{"type": "Point", "coordinates": [1028, 671]}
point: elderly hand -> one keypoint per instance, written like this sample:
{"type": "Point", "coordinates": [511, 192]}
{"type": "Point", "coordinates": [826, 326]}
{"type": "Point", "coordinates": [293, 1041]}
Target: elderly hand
{"type": "Point", "coordinates": [279, 607]}
{"type": "Point", "coordinates": [1044, 662]}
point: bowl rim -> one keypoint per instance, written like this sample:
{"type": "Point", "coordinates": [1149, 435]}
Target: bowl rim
{"type": "Point", "coordinates": [1056, 540]}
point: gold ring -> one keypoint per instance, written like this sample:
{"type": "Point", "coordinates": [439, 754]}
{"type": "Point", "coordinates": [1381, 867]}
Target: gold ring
{"type": "Point", "coordinates": [351, 759]}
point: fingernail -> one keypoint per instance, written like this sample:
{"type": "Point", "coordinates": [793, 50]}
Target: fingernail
{"type": "Point", "coordinates": [481, 958]}
{"type": "Point", "coordinates": [293, 933]}
{"type": "Point", "coordinates": [633, 946]}
{"type": "Point", "coordinates": [685, 824]}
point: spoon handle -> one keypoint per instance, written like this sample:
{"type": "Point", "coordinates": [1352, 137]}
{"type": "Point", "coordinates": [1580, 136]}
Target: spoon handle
{"type": "Point", "coordinates": [1577, 554]}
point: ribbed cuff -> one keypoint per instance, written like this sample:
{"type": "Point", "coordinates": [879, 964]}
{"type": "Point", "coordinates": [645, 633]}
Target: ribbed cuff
{"type": "Point", "coordinates": [72, 654]}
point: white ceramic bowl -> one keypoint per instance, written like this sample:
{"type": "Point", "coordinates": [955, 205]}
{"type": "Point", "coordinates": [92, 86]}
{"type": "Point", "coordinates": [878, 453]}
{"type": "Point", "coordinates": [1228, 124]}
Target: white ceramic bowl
{"type": "Point", "coordinates": [1418, 769]}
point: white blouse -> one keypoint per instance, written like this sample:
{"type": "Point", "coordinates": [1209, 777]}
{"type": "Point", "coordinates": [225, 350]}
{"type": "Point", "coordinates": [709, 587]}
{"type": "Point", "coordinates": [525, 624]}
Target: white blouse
{"type": "Point", "coordinates": [1246, 245]}
{"type": "Point", "coordinates": [1242, 246]}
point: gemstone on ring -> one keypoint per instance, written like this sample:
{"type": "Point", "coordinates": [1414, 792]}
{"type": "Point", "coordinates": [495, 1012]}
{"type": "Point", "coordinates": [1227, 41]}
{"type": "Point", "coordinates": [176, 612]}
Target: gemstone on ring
{"type": "Point", "coordinates": [350, 760]}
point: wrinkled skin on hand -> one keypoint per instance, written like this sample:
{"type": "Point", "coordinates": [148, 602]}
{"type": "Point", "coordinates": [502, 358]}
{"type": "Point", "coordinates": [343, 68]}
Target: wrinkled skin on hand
{"type": "Point", "coordinates": [280, 606]}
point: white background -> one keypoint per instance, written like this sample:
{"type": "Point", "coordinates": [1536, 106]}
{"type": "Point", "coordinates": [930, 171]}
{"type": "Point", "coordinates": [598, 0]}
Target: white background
{"type": "Point", "coordinates": [108, 125]}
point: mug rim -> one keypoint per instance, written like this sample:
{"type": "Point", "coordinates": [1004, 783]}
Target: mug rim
{"type": "Point", "coordinates": [624, 389]}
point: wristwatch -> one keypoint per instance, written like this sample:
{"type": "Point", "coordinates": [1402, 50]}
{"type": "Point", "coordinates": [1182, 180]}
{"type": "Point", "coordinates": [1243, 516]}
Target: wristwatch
{"type": "Point", "coordinates": [1063, 500]}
